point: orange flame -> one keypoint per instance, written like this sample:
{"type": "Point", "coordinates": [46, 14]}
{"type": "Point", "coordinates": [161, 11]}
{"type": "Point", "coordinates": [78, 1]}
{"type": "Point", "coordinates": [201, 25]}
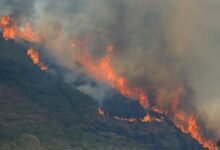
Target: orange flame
{"type": "Point", "coordinates": [33, 54]}
{"type": "Point", "coordinates": [102, 70]}
{"type": "Point", "coordinates": [147, 118]}
{"type": "Point", "coordinates": [190, 125]}
{"type": "Point", "coordinates": [11, 31]}
{"type": "Point", "coordinates": [8, 27]}
{"type": "Point", "coordinates": [28, 35]}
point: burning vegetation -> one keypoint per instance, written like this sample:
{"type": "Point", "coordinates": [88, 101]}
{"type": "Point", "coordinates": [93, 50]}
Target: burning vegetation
{"type": "Point", "coordinates": [101, 69]}
{"type": "Point", "coordinates": [146, 118]}
{"type": "Point", "coordinates": [33, 54]}
{"type": "Point", "coordinates": [12, 31]}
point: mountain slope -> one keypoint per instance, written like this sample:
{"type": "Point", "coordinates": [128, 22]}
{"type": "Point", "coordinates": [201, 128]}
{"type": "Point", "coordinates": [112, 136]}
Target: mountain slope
{"type": "Point", "coordinates": [39, 111]}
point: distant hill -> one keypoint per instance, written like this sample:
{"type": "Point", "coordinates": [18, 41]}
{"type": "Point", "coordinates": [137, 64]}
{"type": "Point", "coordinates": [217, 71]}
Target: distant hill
{"type": "Point", "coordinates": [38, 111]}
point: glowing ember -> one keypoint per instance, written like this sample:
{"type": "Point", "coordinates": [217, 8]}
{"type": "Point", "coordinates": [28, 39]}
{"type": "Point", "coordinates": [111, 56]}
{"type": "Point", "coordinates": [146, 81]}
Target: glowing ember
{"type": "Point", "coordinates": [101, 112]}
{"type": "Point", "coordinates": [125, 119]}
{"type": "Point", "coordinates": [33, 54]}
{"type": "Point", "coordinates": [147, 118]}
{"type": "Point", "coordinates": [43, 67]}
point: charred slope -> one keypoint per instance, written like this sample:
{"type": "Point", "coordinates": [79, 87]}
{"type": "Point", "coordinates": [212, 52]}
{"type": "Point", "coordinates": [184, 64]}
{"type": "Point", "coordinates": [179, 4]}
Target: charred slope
{"type": "Point", "coordinates": [39, 111]}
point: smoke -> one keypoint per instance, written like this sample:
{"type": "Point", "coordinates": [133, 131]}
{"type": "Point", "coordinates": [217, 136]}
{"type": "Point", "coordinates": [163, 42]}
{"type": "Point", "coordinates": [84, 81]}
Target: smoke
{"type": "Point", "coordinates": [193, 36]}
{"type": "Point", "coordinates": [159, 45]}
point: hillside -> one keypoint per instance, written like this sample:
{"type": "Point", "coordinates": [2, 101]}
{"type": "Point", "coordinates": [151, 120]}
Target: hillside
{"type": "Point", "coordinates": [38, 111]}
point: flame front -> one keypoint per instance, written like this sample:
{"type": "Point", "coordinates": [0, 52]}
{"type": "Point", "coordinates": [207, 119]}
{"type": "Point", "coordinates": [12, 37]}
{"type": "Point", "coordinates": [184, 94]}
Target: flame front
{"type": "Point", "coordinates": [11, 31]}
{"type": "Point", "coordinates": [190, 125]}
{"type": "Point", "coordinates": [102, 70]}
{"type": "Point", "coordinates": [146, 118]}
{"type": "Point", "coordinates": [33, 54]}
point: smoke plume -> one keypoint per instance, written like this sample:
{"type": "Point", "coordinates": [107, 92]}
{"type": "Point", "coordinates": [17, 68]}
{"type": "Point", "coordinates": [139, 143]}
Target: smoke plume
{"type": "Point", "coordinates": [160, 46]}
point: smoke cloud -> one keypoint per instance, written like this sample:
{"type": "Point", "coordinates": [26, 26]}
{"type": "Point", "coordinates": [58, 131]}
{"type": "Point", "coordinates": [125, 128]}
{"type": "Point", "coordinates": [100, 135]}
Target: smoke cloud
{"type": "Point", "coordinates": [159, 45]}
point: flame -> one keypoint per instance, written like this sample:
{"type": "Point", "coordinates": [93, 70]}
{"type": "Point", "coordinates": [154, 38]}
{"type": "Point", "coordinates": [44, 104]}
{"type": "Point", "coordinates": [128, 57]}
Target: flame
{"type": "Point", "coordinates": [102, 113]}
{"type": "Point", "coordinates": [27, 34]}
{"type": "Point", "coordinates": [194, 130]}
{"type": "Point", "coordinates": [8, 27]}
{"type": "Point", "coordinates": [33, 54]}
{"type": "Point", "coordinates": [11, 31]}
{"type": "Point", "coordinates": [147, 118]}
{"type": "Point", "coordinates": [102, 70]}
{"type": "Point", "coordinates": [190, 125]}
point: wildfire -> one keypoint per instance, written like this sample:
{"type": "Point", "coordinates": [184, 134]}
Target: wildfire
{"type": "Point", "coordinates": [11, 31]}
{"type": "Point", "coordinates": [194, 130]}
{"type": "Point", "coordinates": [33, 54]}
{"type": "Point", "coordinates": [27, 34]}
{"type": "Point", "coordinates": [8, 27]}
{"type": "Point", "coordinates": [102, 70]}
{"type": "Point", "coordinates": [145, 119]}
{"type": "Point", "coordinates": [189, 125]}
